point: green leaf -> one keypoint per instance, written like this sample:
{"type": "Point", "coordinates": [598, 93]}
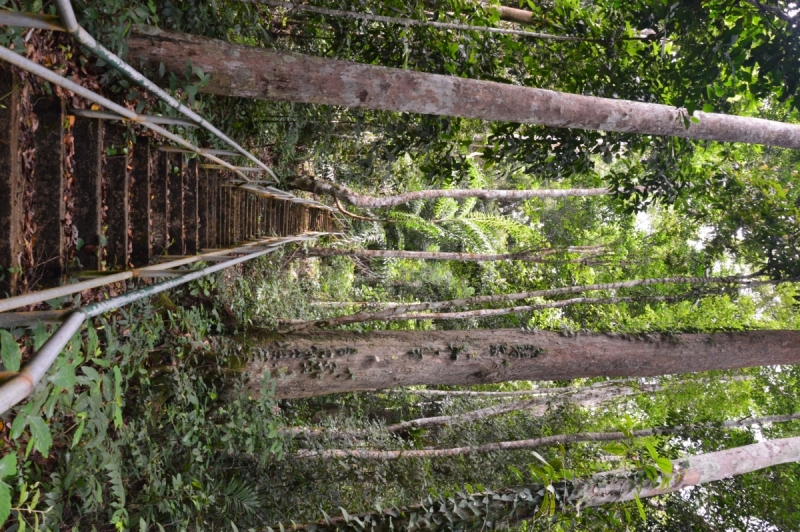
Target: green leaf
{"type": "Point", "coordinates": [8, 465]}
{"type": "Point", "coordinates": [5, 502]}
{"type": "Point", "coordinates": [9, 350]}
{"type": "Point", "coordinates": [40, 434]}
{"type": "Point", "coordinates": [78, 433]}
{"type": "Point", "coordinates": [651, 450]}
{"type": "Point", "coordinates": [39, 335]}
{"type": "Point", "coordinates": [615, 448]}
{"type": "Point", "coordinates": [640, 507]}
{"type": "Point", "coordinates": [64, 377]}
{"type": "Point", "coordinates": [664, 464]}
{"type": "Point", "coordinates": [19, 424]}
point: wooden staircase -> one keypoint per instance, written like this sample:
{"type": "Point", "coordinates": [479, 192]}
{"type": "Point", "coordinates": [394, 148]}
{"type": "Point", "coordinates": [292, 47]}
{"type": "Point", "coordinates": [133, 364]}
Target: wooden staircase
{"type": "Point", "coordinates": [130, 200]}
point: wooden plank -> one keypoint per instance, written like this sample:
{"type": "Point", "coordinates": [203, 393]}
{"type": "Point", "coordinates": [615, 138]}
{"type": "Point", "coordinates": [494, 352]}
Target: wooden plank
{"type": "Point", "coordinates": [214, 228]}
{"type": "Point", "coordinates": [158, 204]}
{"type": "Point", "coordinates": [175, 234]}
{"type": "Point", "coordinates": [11, 182]}
{"type": "Point", "coordinates": [48, 192]}
{"type": "Point", "coordinates": [190, 207]}
{"type": "Point", "coordinates": [203, 213]}
{"type": "Point", "coordinates": [117, 194]}
{"type": "Point", "coordinates": [141, 176]}
{"type": "Point", "coordinates": [224, 216]}
{"type": "Point", "coordinates": [87, 188]}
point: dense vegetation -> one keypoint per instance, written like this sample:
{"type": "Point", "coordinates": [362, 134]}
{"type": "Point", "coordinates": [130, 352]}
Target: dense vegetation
{"type": "Point", "coordinates": [146, 423]}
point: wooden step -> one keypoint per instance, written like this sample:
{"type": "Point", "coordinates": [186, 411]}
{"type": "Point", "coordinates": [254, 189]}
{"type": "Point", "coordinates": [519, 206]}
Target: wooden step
{"type": "Point", "coordinates": [140, 193]}
{"type": "Point", "coordinates": [117, 195]}
{"type": "Point", "coordinates": [203, 218]}
{"type": "Point", "coordinates": [48, 192]}
{"type": "Point", "coordinates": [158, 204]}
{"type": "Point", "coordinates": [175, 235]}
{"type": "Point", "coordinates": [87, 188]}
{"type": "Point", "coordinates": [190, 207]}
{"type": "Point", "coordinates": [11, 182]}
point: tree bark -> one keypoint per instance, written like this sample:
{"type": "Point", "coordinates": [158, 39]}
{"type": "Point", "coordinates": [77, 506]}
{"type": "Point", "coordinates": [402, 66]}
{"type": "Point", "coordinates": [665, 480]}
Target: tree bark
{"type": "Point", "coordinates": [343, 193]}
{"type": "Point", "coordinates": [530, 256]}
{"type": "Point", "coordinates": [558, 439]}
{"type": "Point", "coordinates": [251, 72]}
{"type": "Point", "coordinates": [496, 510]}
{"type": "Point", "coordinates": [392, 313]}
{"type": "Point", "coordinates": [512, 14]}
{"type": "Point", "coordinates": [326, 362]}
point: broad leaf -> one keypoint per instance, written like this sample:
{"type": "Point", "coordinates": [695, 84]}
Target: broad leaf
{"type": "Point", "coordinates": [9, 350]}
{"type": "Point", "coordinates": [5, 502]}
{"type": "Point", "coordinates": [8, 465]}
{"type": "Point", "coordinates": [40, 433]}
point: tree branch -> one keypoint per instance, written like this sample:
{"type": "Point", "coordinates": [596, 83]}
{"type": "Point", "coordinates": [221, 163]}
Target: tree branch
{"type": "Point", "coordinates": [388, 314]}
{"type": "Point", "coordinates": [534, 442]}
{"type": "Point", "coordinates": [371, 202]}
{"type": "Point", "coordinates": [425, 23]}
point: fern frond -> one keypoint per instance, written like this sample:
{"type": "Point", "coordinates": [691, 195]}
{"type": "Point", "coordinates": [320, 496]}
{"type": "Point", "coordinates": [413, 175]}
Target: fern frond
{"type": "Point", "coordinates": [412, 222]}
{"type": "Point", "coordinates": [238, 498]}
{"type": "Point", "coordinates": [473, 237]}
{"type": "Point", "coordinates": [444, 208]}
{"type": "Point", "coordinates": [466, 207]}
{"type": "Point", "coordinates": [475, 175]}
{"type": "Point", "coordinates": [502, 225]}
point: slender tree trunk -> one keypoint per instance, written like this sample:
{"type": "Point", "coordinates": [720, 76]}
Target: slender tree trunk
{"type": "Point", "coordinates": [400, 310]}
{"type": "Point", "coordinates": [492, 312]}
{"type": "Point", "coordinates": [583, 397]}
{"type": "Point", "coordinates": [530, 256]}
{"type": "Point", "coordinates": [549, 391]}
{"type": "Point", "coordinates": [504, 11]}
{"type": "Point", "coordinates": [496, 510]}
{"type": "Point", "coordinates": [343, 193]}
{"type": "Point", "coordinates": [559, 439]}
{"type": "Point", "coordinates": [326, 362]}
{"type": "Point", "coordinates": [251, 72]}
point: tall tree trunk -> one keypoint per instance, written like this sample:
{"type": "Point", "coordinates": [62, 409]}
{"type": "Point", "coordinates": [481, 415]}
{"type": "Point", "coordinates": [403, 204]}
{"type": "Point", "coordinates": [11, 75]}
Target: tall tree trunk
{"type": "Point", "coordinates": [495, 510]}
{"type": "Point", "coordinates": [530, 256]}
{"type": "Point", "coordinates": [326, 362]}
{"type": "Point", "coordinates": [251, 72]}
{"type": "Point", "coordinates": [558, 439]}
{"type": "Point", "coordinates": [517, 15]}
{"type": "Point", "coordinates": [343, 193]}
{"type": "Point", "coordinates": [403, 310]}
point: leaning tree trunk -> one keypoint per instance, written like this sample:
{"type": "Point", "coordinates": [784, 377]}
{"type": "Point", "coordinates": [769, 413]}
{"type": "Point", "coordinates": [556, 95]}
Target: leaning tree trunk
{"type": "Point", "coordinates": [326, 362]}
{"type": "Point", "coordinates": [496, 510]}
{"type": "Point", "coordinates": [529, 256]}
{"type": "Point", "coordinates": [343, 193]}
{"type": "Point", "coordinates": [252, 72]}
